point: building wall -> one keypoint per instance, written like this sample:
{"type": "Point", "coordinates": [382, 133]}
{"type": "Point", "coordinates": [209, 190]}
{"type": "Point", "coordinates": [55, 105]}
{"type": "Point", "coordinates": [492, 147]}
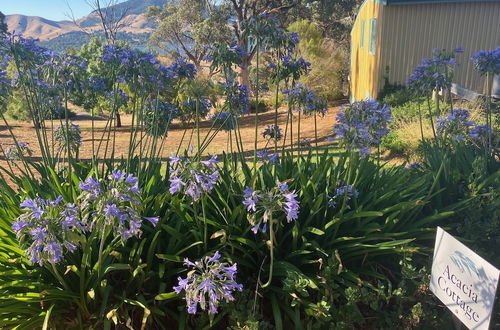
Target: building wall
{"type": "Point", "coordinates": [364, 73]}
{"type": "Point", "coordinates": [410, 32]}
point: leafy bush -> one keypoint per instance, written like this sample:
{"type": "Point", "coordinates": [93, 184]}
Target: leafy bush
{"type": "Point", "coordinates": [255, 107]}
{"type": "Point", "coordinates": [328, 61]}
{"type": "Point", "coordinates": [395, 95]}
{"type": "Point", "coordinates": [394, 143]}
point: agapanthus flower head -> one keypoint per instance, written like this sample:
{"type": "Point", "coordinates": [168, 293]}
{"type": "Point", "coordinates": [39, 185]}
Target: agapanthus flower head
{"type": "Point", "coordinates": [193, 177]}
{"type": "Point", "coordinates": [480, 131]}
{"type": "Point", "coordinates": [236, 97]}
{"type": "Point", "coordinates": [362, 125]}
{"type": "Point", "coordinates": [266, 156]}
{"type": "Point", "coordinates": [265, 31]}
{"type": "Point", "coordinates": [272, 132]}
{"type": "Point", "coordinates": [189, 108]}
{"type": "Point", "coordinates": [68, 136]}
{"type": "Point", "coordinates": [225, 55]}
{"type": "Point", "coordinates": [117, 55]}
{"type": "Point", "coordinates": [487, 61]}
{"type": "Point", "coordinates": [47, 228]}
{"type": "Point", "coordinates": [225, 120]}
{"type": "Point", "coordinates": [117, 98]}
{"type": "Point", "coordinates": [455, 126]}
{"type": "Point", "coordinates": [264, 204]}
{"type": "Point", "coordinates": [346, 192]}
{"type": "Point", "coordinates": [157, 117]}
{"type": "Point", "coordinates": [435, 73]}
{"type": "Point", "coordinates": [113, 203]}
{"type": "Point", "coordinates": [291, 67]}
{"type": "Point", "coordinates": [209, 281]}
{"type": "Point", "coordinates": [18, 151]}
{"type": "Point", "coordinates": [96, 83]}
{"type": "Point", "coordinates": [183, 69]}
{"type": "Point", "coordinates": [305, 100]}
{"type": "Point", "coordinates": [415, 166]}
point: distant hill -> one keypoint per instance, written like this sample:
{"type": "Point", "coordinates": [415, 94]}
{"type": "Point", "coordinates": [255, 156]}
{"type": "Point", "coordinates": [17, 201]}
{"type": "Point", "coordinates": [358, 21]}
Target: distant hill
{"type": "Point", "coordinates": [57, 34]}
{"type": "Point", "coordinates": [75, 39]}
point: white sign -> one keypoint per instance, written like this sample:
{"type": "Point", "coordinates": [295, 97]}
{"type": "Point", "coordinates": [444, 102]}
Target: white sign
{"type": "Point", "coordinates": [463, 281]}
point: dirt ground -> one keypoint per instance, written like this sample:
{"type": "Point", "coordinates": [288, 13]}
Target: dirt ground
{"type": "Point", "coordinates": [25, 132]}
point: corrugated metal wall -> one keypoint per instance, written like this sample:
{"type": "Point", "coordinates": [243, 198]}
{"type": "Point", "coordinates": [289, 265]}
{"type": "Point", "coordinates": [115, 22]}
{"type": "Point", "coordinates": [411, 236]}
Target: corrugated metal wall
{"type": "Point", "coordinates": [364, 75]}
{"type": "Point", "coordinates": [410, 32]}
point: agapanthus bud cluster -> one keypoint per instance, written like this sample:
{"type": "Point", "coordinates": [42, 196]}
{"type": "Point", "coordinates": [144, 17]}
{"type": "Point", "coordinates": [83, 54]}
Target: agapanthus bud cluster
{"type": "Point", "coordinates": [237, 100]}
{"type": "Point", "coordinates": [262, 205]}
{"type": "Point", "coordinates": [193, 177]}
{"type": "Point", "coordinates": [272, 132]}
{"type": "Point", "coordinates": [487, 61]}
{"type": "Point", "coordinates": [18, 151]}
{"type": "Point", "coordinates": [68, 136]}
{"type": "Point", "coordinates": [457, 127]}
{"type": "Point", "coordinates": [224, 120]}
{"type": "Point", "coordinates": [305, 100]}
{"type": "Point", "coordinates": [362, 125]}
{"type": "Point", "coordinates": [208, 282]}
{"type": "Point", "coordinates": [157, 117]}
{"type": "Point", "coordinates": [113, 204]}
{"type": "Point", "coordinates": [346, 192]}
{"type": "Point", "coordinates": [48, 228]}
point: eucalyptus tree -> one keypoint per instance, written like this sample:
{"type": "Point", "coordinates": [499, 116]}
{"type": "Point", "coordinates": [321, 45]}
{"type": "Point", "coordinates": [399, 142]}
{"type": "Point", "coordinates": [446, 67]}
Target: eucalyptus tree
{"type": "Point", "coordinates": [189, 27]}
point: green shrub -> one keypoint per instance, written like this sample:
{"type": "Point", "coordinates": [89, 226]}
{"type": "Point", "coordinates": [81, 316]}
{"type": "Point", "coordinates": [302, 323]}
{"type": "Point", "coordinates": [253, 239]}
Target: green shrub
{"type": "Point", "coordinates": [255, 107]}
{"type": "Point", "coordinates": [393, 142]}
{"type": "Point", "coordinates": [395, 95]}
{"type": "Point", "coordinates": [328, 61]}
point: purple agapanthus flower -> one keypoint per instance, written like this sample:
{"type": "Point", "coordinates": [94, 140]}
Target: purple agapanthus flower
{"type": "Point", "coordinates": [487, 61]}
{"type": "Point", "coordinates": [47, 228]}
{"type": "Point", "coordinates": [113, 203]}
{"type": "Point", "coordinates": [455, 126]}
{"type": "Point", "coordinates": [209, 281]}
{"type": "Point", "coordinates": [346, 192]}
{"type": "Point", "coordinates": [362, 125]}
{"type": "Point", "coordinates": [262, 205]}
{"type": "Point", "coordinates": [193, 177]}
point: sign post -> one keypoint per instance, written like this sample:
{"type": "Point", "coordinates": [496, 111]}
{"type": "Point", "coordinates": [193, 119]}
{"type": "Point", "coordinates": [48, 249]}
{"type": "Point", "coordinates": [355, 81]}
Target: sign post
{"type": "Point", "coordinates": [463, 281]}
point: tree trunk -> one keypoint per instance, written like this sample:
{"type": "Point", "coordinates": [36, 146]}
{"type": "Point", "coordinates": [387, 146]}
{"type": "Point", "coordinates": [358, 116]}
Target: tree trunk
{"type": "Point", "coordinates": [245, 73]}
{"type": "Point", "coordinates": [118, 120]}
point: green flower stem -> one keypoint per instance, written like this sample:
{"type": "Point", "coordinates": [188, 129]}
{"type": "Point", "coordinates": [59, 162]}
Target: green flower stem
{"type": "Point", "coordinates": [256, 110]}
{"type": "Point", "coordinates": [430, 117]}
{"type": "Point", "coordinates": [198, 126]}
{"type": "Point", "coordinates": [488, 110]}
{"type": "Point", "coordinates": [99, 260]}
{"type": "Point", "coordinates": [205, 226]}
{"type": "Point", "coordinates": [316, 135]}
{"type": "Point", "coordinates": [271, 252]}
{"type": "Point", "coordinates": [298, 134]}
{"type": "Point", "coordinates": [420, 120]}
{"type": "Point", "coordinates": [59, 277]}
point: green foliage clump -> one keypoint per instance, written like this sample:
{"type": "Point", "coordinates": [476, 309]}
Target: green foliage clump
{"type": "Point", "coordinates": [395, 95]}
{"type": "Point", "coordinates": [261, 106]}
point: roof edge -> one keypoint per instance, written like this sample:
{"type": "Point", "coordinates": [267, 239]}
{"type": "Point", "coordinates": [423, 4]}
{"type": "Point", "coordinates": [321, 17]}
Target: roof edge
{"type": "Point", "coordinates": [422, 2]}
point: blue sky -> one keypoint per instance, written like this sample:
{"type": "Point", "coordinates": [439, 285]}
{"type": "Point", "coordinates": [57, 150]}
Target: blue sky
{"type": "Point", "coordinates": [50, 9]}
